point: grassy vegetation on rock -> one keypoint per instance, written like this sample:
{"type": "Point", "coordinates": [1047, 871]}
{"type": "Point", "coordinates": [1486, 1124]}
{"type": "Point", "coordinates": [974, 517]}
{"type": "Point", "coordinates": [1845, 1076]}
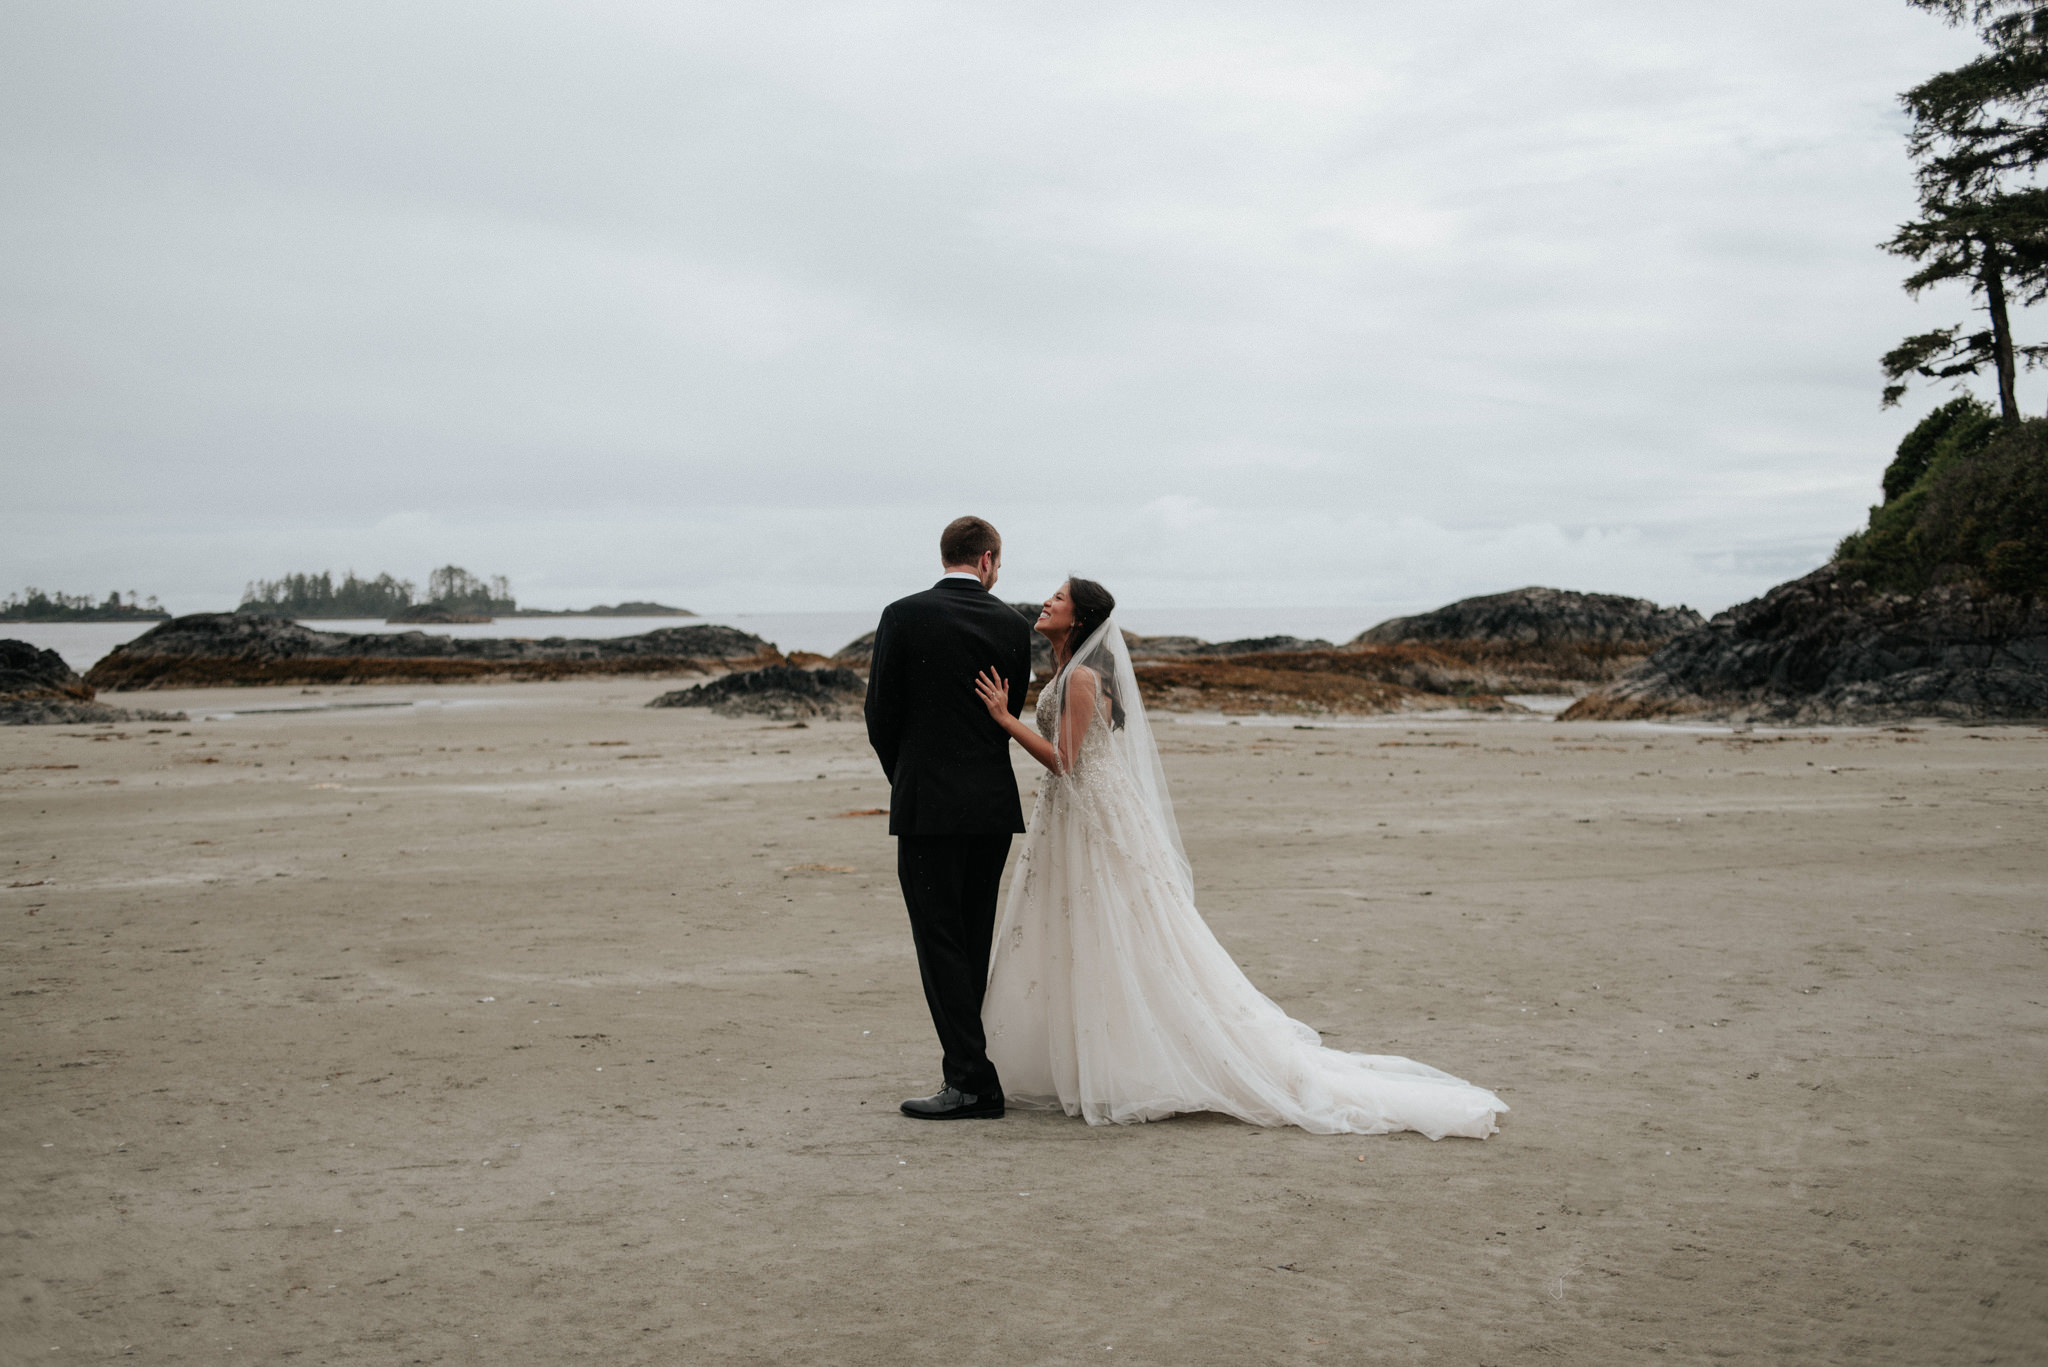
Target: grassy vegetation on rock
{"type": "Point", "coordinates": [1966, 501]}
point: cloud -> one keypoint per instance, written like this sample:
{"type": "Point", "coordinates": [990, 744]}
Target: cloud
{"type": "Point", "coordinates": [738, 304]}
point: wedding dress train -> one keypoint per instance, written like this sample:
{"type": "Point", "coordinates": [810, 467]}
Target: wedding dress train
{"type": "Point", "coordinates": [1109, 995]}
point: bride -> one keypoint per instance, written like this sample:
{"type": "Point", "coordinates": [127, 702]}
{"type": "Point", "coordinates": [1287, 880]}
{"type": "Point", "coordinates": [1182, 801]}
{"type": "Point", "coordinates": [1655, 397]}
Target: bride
{"type": "Point", "coordinates": [1106, 989]}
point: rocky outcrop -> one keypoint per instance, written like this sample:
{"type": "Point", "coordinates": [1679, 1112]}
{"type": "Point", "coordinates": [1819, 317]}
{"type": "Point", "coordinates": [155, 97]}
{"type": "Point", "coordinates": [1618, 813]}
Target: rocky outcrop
{"type": "Point", "coordinates": [1822, 650]}
{"type": "Point", "coordinates": [1194, 647]}
{"type": "Point", "coordinates": [782, 692]}
{"type": "Point", "coordinates": [1266, 645]}
{"type": "Point", "coordinates": [1532, 640]}
{"type": "Point", "coordinates": [859, 653]}
{"type": "Point", "coordinates": [228, 649]}
{"type": "Point", "coordinates": [63, 712]}
{"type": "Point", "coordinates": [1468, 654]}
{"type": "Point", "coordinates": [1538, 616]}
{"type": "Point", "coordinates": [1475, 675]}
{"type": "Point", "coordinates": [435, 615]}
{"type": "Point", "coordinates": [630, 609]}
{"type": "Point", "coordinates": [28, 672]}
{"type": "Point", "coordinates": [1458, 668]}
{"type": "Point", "coordinates": [38, 688]}
{"type": "Point", "coordinates": [1164, 647]}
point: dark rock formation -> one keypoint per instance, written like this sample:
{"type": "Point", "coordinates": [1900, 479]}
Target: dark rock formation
{"type": "Point", "coordinates": [436, 615]}
{"type": "Point", "coordinates": [37, 688]}
{"type": "Point", "coordinates": [779, 691]}
{"type": "Point", "coordinates": [1194, 647]}
{"type": "Point", "coordinates": [1164, 647]}
{"type": "Point", "coordinates": [16, 711]}
{"type": "Point", "coordinates": [235, 649]}
{"type": "Point", "coordinates": [630, 609]}
{"type": "Point", "coordinates": [1537, 616]}
{"type": "Point", "coordinates": [28, 672]}
{"type": "Point", "coordinates": [1264, 645]}
{"type": "Point", "coordinates": [1455, 669]}
{"type": "Point", "coordinates": [859, 653]}
{"type": "Point", "coordinates": [1822, 650]}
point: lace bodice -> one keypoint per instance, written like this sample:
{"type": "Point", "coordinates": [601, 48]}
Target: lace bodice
{"type": "Point", "coordinates": [1093, 742]}
{"type": "Point", "coordinates": [1048, 714]}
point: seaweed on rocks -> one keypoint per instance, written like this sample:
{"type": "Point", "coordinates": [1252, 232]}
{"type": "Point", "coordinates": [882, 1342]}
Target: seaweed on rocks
{"type": "Point", "coordinates": [1292, 683]}
{"type": "Point", "coordinates": [226, 649]}
{"type": "Point", "coordinates": [1454, 669]}
{"type": "Point", "coordinates": [782, 692]}
{"type": "Point", "coordinates": [1467, 655]}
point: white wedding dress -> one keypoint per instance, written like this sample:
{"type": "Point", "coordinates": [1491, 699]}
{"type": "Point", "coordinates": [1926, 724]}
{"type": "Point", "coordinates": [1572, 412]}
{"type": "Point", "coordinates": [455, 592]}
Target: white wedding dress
{"type": "Point", "coordinates": [1108, 994]}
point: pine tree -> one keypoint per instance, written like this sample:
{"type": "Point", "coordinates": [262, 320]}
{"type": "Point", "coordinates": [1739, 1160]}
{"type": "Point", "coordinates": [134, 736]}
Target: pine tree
{"type": "Point", "coordinates": [1998, 243]}
{"type": "Point", "coordinates": [1978, 132]}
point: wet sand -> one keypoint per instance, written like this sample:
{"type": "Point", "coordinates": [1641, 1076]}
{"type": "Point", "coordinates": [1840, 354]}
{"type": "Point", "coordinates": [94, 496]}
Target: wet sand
{"type": "Point", "coordinates": [532, 1026]}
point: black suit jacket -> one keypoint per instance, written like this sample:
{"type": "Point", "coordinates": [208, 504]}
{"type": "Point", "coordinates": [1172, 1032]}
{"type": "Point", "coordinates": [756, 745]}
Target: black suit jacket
{"type": "Point", "coordinates": [948, 762]}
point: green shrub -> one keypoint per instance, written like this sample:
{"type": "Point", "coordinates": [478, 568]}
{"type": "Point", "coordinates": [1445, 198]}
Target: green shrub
{"type": "Point", "coordinates": [1959, 427]}
{"type": "Point", "coordinates": [1976, 509]}
{"type": "Point", "coordinates": [1989, 512]}
{"type": "Point", "coordinates": [2018, 566]}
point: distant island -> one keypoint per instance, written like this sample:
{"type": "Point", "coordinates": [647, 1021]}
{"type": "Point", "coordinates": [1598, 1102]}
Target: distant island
{"type": "Point", "coordinates": [317, 595]}
{"type": "Point", "coordinates": [451, 588]}
{"type": "Point", "coordinates": [616, 610]}
{"type": "Point", "coordinates": [454, 595]}
{"type": "Point", "coordinates": [33, 605]}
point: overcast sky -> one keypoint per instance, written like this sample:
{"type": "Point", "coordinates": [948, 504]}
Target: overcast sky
{"type": "Point", "coordinates": [735, 305]}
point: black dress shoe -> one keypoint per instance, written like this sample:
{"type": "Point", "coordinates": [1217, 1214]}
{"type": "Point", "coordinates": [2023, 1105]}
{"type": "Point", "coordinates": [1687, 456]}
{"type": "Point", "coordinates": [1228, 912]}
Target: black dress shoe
{"type": "Point", "coordinates": [950, 1103]}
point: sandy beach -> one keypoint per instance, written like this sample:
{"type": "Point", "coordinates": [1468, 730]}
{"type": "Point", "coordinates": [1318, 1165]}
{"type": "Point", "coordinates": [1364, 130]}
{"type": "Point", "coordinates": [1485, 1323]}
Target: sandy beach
{"type": "Point", "coordinates": [527, 1025]}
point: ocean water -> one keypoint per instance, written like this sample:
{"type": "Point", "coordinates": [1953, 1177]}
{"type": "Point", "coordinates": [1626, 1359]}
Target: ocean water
{"type": "Point", "coordinates": [823, 633]}
{"type": "Point", "coordinates": [80, 643]}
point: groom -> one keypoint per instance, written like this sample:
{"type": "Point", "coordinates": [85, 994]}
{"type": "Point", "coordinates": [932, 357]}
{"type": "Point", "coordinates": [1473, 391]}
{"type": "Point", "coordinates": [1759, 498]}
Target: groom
{"type": "Point", "coordinates": [952, 795]}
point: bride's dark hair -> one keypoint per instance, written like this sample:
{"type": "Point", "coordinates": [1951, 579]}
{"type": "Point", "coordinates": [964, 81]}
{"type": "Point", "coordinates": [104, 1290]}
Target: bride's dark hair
{"type": "Point", "coordinates": [1092, 606]}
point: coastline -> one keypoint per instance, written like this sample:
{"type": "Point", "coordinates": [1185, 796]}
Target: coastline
{"type": "Point", "coordinates": [83, 644]}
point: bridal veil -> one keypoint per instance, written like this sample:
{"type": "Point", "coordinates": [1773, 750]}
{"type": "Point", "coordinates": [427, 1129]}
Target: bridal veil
{"type": "Point", "coordinates": [1109, 996]}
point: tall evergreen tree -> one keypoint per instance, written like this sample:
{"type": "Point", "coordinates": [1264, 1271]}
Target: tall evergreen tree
{"type": "Point", "coordinates": [1979, 132]}
{"type": "Point", "coordinates": [1999, 246]}
{"type": "Point", "coordinates": [1984, 118]}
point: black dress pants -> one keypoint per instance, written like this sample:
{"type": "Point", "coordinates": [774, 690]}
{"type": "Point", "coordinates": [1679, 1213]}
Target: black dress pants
{"type": "Point", "coordinates": [949, 886]}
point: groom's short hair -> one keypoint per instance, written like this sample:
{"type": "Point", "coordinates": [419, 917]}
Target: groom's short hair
{"type": "Point", "coordinates": [966, 540]}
